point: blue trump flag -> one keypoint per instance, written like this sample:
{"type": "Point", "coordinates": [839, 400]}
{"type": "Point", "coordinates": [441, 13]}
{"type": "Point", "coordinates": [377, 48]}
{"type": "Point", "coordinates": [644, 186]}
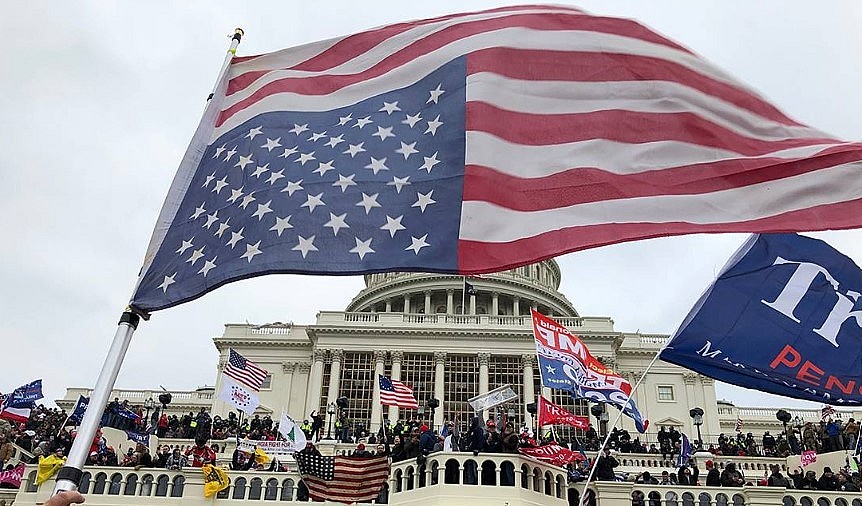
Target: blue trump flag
{"type": "Point", "coordinates": [25, 396]}
{"type": "Point", "coordinates": [139, 437]}
{"type": "Point", "coordinates": [685, 452]}
{"type": "Point", "coordinates": [785, 317]}
{"type": "Point", "coordinates": [79, 409]}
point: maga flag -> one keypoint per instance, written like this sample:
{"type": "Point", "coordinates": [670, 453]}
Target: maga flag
{"type": "Point", "coordinates": [784, 316]}
{"type": "Point", "coordinates": [342, 479]}
{"type": "Point", "coordinates": [566, 364]}
{"type": "Point", "coordinates": [475, 143]}
{"type": "Point", "coordinates": [215, 480]}
{"type": "Point", "coordinates": [553, 453]}
{"type": "Point", "coordinates": [552, 414]}
{"type": "Point", "coordinates": [79, 409]}
{"type": "Point", "coordinates": [24, 396]}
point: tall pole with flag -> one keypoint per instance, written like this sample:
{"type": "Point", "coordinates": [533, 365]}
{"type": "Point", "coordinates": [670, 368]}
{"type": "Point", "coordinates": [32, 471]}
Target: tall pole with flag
{"type": "Point", "coordinates": [70, 474]}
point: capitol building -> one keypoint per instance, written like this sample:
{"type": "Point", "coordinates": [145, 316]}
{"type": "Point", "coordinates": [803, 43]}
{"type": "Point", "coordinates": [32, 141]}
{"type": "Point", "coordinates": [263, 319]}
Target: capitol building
{"type": "Point", "coordinates": [424, 330]}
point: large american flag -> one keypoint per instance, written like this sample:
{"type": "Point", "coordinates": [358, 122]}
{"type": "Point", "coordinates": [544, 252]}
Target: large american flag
{"type": "Point", "coordinates": [395, 393]}
{"type": "Point", "coordinates": [245, 371]}
{"type": "Point", "coordinates": [342, 479]}
{"type": "Point", "coordinates": [478, 142]}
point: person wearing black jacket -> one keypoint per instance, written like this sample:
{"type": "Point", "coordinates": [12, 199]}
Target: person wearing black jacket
{"type": "Point", "coordinates": [828, 480]}
{"type": "Point", "coordinates": [241, 461]}
{"type": "Point", "coordinates": [713, 477]}
{"type": "Point", "coordinates": [605, 466]}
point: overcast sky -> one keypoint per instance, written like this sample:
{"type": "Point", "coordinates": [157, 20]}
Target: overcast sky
{"type": "Point", "coordinates": [98, 101]}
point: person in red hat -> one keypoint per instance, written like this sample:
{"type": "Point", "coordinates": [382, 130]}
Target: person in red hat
{"type": "Point", "coordinates": [713, 477]}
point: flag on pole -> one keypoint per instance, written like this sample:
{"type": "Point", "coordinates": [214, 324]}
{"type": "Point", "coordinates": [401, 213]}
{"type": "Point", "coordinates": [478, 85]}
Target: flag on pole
{"type": "Point", "coordinates": [565, 363]}
{"type": "Point", "coordinates": [244, 371]}
{"type": "Point", "coordinates": [342, 479]}
{"type": "Point", "coordinates": [738, 424]}
{"type": "Point", "coordinates": [79, 410]}
{"type": "Point", "coordinates": [239, 396]}
{"type": "Point", "coordinates": [395, 393]}
{"type": "Point", "coordinates": [475, 143]}
{"type": "Point", "coordinates": [779, 318]}
{"type": "Point", "coordinates": [469, 289]}
{"type": "Point", "coordinates": [215, 479]}
{"type": "Point", "coordinates": [25, 396]}
{"type": "Point", "coordinates": [18, 415]}
{"type": "Point", "coordinates": [291, 432]}
{"type": "Point", "coordinates": [553, 414]}
{"type": "Point", "coordinates": [48, 467]}
{"type": "Point", "coordinates": [553, 453]}
{"type": "Point", "coordinates": [826, 411]}
{"type": "Point", "coordinates": [138, 437]}
{"type": "Point", "coordinates": [685, 452]}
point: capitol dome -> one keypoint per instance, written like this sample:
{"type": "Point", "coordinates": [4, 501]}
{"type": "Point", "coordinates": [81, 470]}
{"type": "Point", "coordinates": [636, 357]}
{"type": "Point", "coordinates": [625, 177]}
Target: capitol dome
{"type": "Point", "coordinates": [506, 293]}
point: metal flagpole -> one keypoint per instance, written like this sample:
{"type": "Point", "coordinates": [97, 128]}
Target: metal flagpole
{"type": "Point", "coordinates": [70, 474]}
{"type": "Point", "coordinates": [616, 421]}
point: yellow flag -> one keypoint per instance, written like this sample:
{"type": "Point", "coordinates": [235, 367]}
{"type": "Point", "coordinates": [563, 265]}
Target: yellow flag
{"type": "Point", "coordinates": [261, 457]}
{"type": "Point", "coordinates": [48, 466]}
{"type": "Point", "coordinates": [215, 480]}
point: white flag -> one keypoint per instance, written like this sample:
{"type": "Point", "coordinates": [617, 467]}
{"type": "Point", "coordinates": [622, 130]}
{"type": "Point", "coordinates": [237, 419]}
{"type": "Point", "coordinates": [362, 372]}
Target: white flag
{"type": "Point", "coordinates": [288, 428]}
{"type": "Point", "coordinates": [234, 393]}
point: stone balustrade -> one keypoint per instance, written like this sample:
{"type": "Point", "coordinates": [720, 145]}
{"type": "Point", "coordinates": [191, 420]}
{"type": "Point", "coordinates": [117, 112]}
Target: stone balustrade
{"type": "Point", "coordinates": [518, 323]}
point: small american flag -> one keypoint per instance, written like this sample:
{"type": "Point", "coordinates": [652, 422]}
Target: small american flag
{"type": "Point", "coordinates": [245, 371]}
{"type": "Point", "coordinates": [342, 479]}
{"type": "Point", "coordinates": [395, 393]}
{"type": "Point", "coordinates": [826, 411]}
{"type": "Point", "coordinates": [738, 424]}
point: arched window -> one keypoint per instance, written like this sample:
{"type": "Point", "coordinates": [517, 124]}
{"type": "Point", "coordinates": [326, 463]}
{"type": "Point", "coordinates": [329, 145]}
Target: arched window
{"type": "Point", "coordinates": [489, 473]}
{"type": "Point", "coordinates": [720, 500]}
{"type": "Point", "coordinates": [435, 468]}
{"type": "Point", "coordinates": [671, 499]}
{"type": "Point", "coordinates": [399, 483]}
{"type": "Point", "coordinates": [162, 485]}
{"type": "Point", "coordinates": [822, 501]}
{"type": "Point", "coordinates": [549, 483]}
{"type": "Point", "coordinates": [841, 502]}
{"type": "Point", "coordinates": [704, 499]}
{"type": "Point", "coordinates": [559, 488]}
{"type": "Point", "coordinates": [239, 488]}
{"type": "Point", "coordinates": [537, 480]}
{"type": "Point", "coordinates": [287, 487]}
{"type": "Point", "coordinates": [687, 499]}
{"type": "Point", "coordinates": [806, 501]}
{"type": "Point", "coordinates": [411, 475]}
{"type": "Point", "coordinates": [146, 485]}
{"type": "Point", "coordinates": [788, 501]}
{"type": "Point", "coordinates": [271, 491]}
{"type": "Point", "coordinates": [255, 489]}
{"type": "Point", "coordinates": [179, 485]}
{"type": "Point", "coordinates": [471, 473]}
{"type": "Point", "coordinates": [84, 484]}
{"type": "Point", "coordinates": [131, 484]}
{"type": "Point", "coordinates": [450, 475]}
{"type": "Point", "coordinates": [507, 474]}
{"type": "Point", "coordinates": [99, 485]}
{"type": "Point", "coordinates": [525, 476]}
{"type": "Point", "coordinates": [738, 500]}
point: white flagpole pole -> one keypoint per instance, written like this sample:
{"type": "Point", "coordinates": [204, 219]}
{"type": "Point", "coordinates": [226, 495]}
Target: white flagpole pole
{"type": "Point", "coordinates": [70, 474]}
{"type": "Point", "coordinates": [616, 421]}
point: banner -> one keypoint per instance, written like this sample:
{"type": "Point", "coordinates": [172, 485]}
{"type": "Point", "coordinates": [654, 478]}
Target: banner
{"type": "Point", "coordinates": [808, 457]}
{"type": "Point", "coordinates": [13, 476]}
{"type": "Point", "coordinates": [566, 364]}
{"type": "Point", "coordinates": [271, 448]}
{"type": "Point", "coordinates": [25, 396]}
{"type": "Point", "coordinates": [553, 414]}
{"type": "Point", "coordinates": [499, 395]}
{"type": "Point", "coordinates": [139, 437]}
{"type": "Point", "coordinates": [782, 317]}
{"type": "Point", "coordinates": [240, 397]}
{"type": "Point", "coordinates": [553, 454]}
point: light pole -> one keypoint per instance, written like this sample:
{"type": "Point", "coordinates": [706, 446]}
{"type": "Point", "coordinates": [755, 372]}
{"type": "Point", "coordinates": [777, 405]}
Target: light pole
{"type": "Point", "coordinates": [148, 405]}
{"type": "Point", "coordinates": [330, 409]}
{"type": "Point", "coordinates": [784, 416]}
{"type": "Point", "coordinates": [696, 415]}
{"type": "Point", "coordinates": [433, 403]}
{"type": "Point", "coordinates": [601, 414]}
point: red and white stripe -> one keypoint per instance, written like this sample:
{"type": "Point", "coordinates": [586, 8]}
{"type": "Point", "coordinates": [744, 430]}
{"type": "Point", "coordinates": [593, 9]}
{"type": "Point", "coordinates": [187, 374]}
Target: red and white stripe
{"type": "Point", "coordinates": [355, 479]}
{"type": "Point", "coordinates": [251, 376]}
{"type": "Point", "coordinates": [401, 397]}
{"type": "Point", "coordinates": [17, 415]}
{"type": "Point", "coordinates": [581, 131]}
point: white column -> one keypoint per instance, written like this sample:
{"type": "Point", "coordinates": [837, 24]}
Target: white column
{"type": "Point", "coordinates": [300, 385]}
{"type": "Point", "coordinates": [527, 361]}
{"type": "Point", "coordinates": [397, 356]}
{"type": "Point", "coordinates": [334, 375]}
{"type": "Point", "coordinates": [450, 303]}
{"type": "Point", "coordinates": [388, 305]}
{"type": "Point", "coordinates": [287, 368]}
{"type": "Point", "coordinates": [472, 304]}
{"type": "Point", "coordinates": [428, 309]}
{"type": "Point", "coordinates": [439, 386]}
{"type": "Point", "coordinates": [315, 382]}
{"type": "Point", "coordinates": [407, 303]}
{"type": "Point", "coordinates": [516, 306]}
{"type": "Point", "coordinates": [495, 303]}
{"type": "Point", "coordinates": [376, 408]}
{"type": "Point", "coordinates": [484, 358]}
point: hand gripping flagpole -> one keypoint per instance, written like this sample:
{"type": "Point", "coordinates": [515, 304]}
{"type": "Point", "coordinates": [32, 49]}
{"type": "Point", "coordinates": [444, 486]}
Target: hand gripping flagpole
{"type": "Point", "coordinates": [616, 421]}
{"type": "Point", "coordinates": [70, 474]}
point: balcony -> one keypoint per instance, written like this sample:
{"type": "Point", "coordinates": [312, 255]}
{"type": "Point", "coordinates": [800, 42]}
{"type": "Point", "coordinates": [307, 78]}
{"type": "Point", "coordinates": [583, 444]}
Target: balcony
{"type": "Point", "coordinates": [520, 323]}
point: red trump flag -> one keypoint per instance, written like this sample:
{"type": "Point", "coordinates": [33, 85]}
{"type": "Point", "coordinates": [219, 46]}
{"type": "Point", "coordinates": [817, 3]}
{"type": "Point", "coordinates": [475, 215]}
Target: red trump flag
{"type": "Point", "coordinates": [552, 414]}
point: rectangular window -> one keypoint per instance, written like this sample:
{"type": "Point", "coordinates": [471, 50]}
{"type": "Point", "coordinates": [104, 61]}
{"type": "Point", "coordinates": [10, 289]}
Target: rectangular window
{"type": "Point", "coordinates": [267, 383]}
{"type": "Point", "coordinates": [665, 393]}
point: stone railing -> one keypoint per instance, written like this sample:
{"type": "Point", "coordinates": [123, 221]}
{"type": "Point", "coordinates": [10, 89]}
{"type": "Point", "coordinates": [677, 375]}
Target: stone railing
{"type": "Point", "coordinates": [808, 415]}
{"type": "Point", "coordinates": [621, 493]}
{"type": "Point", "coordinates": [490, 478]}
{"type": "Point", "coordinates": [7, 496]}
{"type": "Point", "coordinates": [521, 322]}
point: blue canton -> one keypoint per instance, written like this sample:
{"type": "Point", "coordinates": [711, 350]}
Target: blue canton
{"type": "Point", "coordinates": [373, 187]}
